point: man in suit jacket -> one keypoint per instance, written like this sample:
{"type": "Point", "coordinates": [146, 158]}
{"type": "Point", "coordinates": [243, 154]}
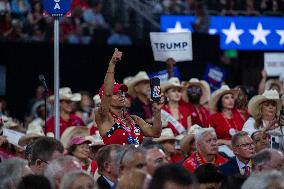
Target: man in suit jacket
{"type": "Point", "coordinates": [244, 150]}
{"type": "Point", "coordinates": [107, 167]}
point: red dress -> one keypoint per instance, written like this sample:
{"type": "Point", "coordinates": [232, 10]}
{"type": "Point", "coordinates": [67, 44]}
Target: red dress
{"type": "Point", "coordinates": [183, 115]}
{"type": "Point", "coordinates": [119, 134]}
{"type": "Point", "coordinates": [195, 159]}
{"type": "Point", "coordinates": [223, 125]}
{"type": "Point", "coordinates": [199, 114]}
{"type": "Point", "coordinates": [73, 121]}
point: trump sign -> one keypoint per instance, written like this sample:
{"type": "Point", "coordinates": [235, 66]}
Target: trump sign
{"type": "Point", "coordinates": [171, 45]}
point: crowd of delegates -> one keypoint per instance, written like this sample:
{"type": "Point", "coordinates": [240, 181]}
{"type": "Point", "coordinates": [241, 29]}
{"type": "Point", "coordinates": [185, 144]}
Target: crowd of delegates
{"type": "Point", "coordinates": [120, 138]}
{"type": "Point", "coordinates": [92, 21]}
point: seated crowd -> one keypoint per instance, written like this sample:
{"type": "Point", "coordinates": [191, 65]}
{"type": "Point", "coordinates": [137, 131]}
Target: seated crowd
{"type": "Point", "coordinates": [121, 138]}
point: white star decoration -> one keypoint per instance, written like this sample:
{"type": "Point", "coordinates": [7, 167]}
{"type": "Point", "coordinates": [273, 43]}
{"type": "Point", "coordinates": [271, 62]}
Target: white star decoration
{"type": "Point", "coordinates": [177, 28]}
{"type": "Point", "coordinates": [259, 35]}
{"type": "Point", "coordinates": [281, 33]}
{"type": "Point", "coordinates": [212, 31]}
{"type": "Point", "coordinates": [233, 34]}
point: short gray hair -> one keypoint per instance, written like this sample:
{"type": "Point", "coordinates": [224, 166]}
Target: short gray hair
{"type": "Point", "coordinates": [55, 168]}
{"type": "Point", "coordinates": [69, 178]}
{"type": "Point", "coordinates": [200, 132]}
{"type": "Point", "coordinates": [127, 154]}
{"type": "Point", "coordinates": [264, 180]}
{"type": "Point", "coordinates": [237, 137]}
{"type": "Point", "coordinates": [11, 172]}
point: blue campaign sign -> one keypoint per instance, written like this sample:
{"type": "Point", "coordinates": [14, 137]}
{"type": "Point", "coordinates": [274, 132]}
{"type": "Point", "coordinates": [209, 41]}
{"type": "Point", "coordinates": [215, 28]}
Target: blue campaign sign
{"type": "Point", "coordinates": [57, 8]}
{"type": "Point", "coordinates": [163, 75]}
{"type": "Point", "coordinates": [214, 75]}
{"type": "Point", "coordinates": [240, 33]}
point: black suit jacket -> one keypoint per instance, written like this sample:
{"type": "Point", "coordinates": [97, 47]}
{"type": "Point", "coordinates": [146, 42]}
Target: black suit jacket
{"type": "Point", "coordinates": [230, 168]}
{"type": "Point", "coordinates": [102, 183]}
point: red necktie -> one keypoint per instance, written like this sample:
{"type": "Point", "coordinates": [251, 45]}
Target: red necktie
{"type": "Point", "coordinates": [246, 170]}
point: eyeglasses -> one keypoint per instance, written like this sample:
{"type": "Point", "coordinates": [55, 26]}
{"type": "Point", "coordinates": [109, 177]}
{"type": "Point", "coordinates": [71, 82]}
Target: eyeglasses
{"type": "Point", "coordinates": [194, 90]}
{"type": "Point", "coordinates": [246, 145]}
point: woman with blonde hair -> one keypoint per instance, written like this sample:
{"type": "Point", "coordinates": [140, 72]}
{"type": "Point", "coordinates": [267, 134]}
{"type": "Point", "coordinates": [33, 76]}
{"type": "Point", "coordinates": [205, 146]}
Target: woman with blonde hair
{"type": "Point", "coordinates": [177, 117]}
{"type": "Point", "coordinates": [265, 112]}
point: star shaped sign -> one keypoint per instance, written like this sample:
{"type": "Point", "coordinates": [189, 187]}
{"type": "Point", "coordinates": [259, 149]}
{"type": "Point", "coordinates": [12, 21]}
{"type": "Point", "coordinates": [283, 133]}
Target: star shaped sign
{"type": "Point", "coordinates": [281, 33]}
{"type": "Point", "coordinates": [232, 34]}
{"type": "Point", "coordinates": [259, 34]}
{"type": "Point", "coordinates": [177, 28]}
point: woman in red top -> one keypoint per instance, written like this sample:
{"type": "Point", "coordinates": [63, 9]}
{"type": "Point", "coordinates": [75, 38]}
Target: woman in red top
{"type": "Point", "coordinates": [115, 124]}
{"type": "Point", "coordinates": [177, 117]}
{"type": "Point", "coordinates": [226, 119]}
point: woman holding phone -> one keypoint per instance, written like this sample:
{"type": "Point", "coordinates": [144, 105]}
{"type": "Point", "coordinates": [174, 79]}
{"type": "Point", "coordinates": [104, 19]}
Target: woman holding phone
{"type": "Point", "coordinates": [265, 112]}
{"type": "Point", "coordinates": [115, 124]}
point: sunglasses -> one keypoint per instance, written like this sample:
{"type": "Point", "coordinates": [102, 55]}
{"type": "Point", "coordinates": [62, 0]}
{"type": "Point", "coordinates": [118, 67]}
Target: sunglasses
{"type": "Point", "coordinates": [191, 90]}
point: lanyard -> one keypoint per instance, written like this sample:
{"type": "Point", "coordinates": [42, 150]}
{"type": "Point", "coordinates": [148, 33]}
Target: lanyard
{"type": "Point", "coordinates": [130, 139]}
{"type": "Point", "coordinates": [123, 123]}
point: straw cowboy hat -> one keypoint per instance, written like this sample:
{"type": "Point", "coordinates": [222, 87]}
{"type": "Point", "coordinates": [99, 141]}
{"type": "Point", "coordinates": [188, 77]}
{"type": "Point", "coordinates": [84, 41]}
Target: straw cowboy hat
{"type": "Point", "coordinates": [95, 139]}
{"type": "Point", "coordinates": [192, 131]}
{"type": "Point", "coordinates": [269, 83]}
{"type": "Point", "coordinates": [205, 88]}
{"type": "Point", "coordinates": [172, 82]}
{"type": "Point", "coordinates": [218, 94]}
{"type": "Point", "coordinates": [127, 80]}
{"type": "Point", "coordinates": [72, 131]}
{"type": "Point", "coordinates": [140, 76]}
{"type": "Point", "coordinates": [167, 134]}
{"type": "Point", "coordinates": [65, 93]}
{"type": "Point", "coordinates": [10, 123]}
{"type": "Point", "coordinates": [33, 132]}
{"type": "Point", "coordinates": [254, 103]}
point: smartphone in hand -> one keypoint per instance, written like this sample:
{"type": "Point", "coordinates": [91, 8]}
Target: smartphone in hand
{"type": "Point", "coordinates": [155, 89]}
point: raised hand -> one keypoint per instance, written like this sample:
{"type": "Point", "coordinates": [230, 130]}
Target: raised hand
{"type": "Point", "coordinates": [116, 56]}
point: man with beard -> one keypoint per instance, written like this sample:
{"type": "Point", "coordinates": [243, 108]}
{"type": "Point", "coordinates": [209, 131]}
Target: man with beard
{"type": "Point", "coordinates": [197, 93]}
{"type": "Point", "coordinates": [206, 150]}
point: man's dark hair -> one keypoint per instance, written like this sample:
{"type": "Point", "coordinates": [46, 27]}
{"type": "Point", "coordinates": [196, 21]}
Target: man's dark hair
{"type": "Point", "coordinates": [104, 155]}
{"type": "Point", "coordinates": [208, 173]}
{"type": "Point", "coordinates": [261, 157]}
{"type": "Point", "coordinates": [171, 174]}
{"type": "Point", "coordinates": [34, 182]}
{"type": "Point", "coordinates": [44, 147]}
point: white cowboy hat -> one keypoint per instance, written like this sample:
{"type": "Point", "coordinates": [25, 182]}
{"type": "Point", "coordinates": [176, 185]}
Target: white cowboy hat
{"type": "Point", "coordinates": [205, 88]}
{"type": "Point", "coordinates": [270, 82]}
{"type": "Point", "coordinates": [167, 134]}
{"type": "Point", "coordinates": [97, 100]}
{"type": "Point", "coordinates": [172, 82]}
{"type": "Point", "coordinates": [32, 133]}
{"type": "Point", "coordinates": [192, 131]}
{"type": "Point", "coordinates": [140, 76]}
{"type": "Point", "coordinates": [65, 93]}
{"type": "Point", "coordinates": [95, 139]}
{"type": "Point", "coordinates": [72, 131]}
{"type": "Point", "coordinates": [218, 94]}
{"type": "Point", "coordinates": [253, 105]}
{"type": "Point", "coordinates": [127, 80]}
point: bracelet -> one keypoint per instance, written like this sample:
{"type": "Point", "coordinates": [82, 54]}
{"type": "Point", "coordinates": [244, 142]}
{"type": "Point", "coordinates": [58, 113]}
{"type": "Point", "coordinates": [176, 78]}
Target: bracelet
{"type": "Point", "coordinates": [110, 72]}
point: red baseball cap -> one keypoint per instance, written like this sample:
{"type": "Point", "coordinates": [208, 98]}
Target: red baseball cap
{"type": "Point", "coordinates": [116, 88]}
